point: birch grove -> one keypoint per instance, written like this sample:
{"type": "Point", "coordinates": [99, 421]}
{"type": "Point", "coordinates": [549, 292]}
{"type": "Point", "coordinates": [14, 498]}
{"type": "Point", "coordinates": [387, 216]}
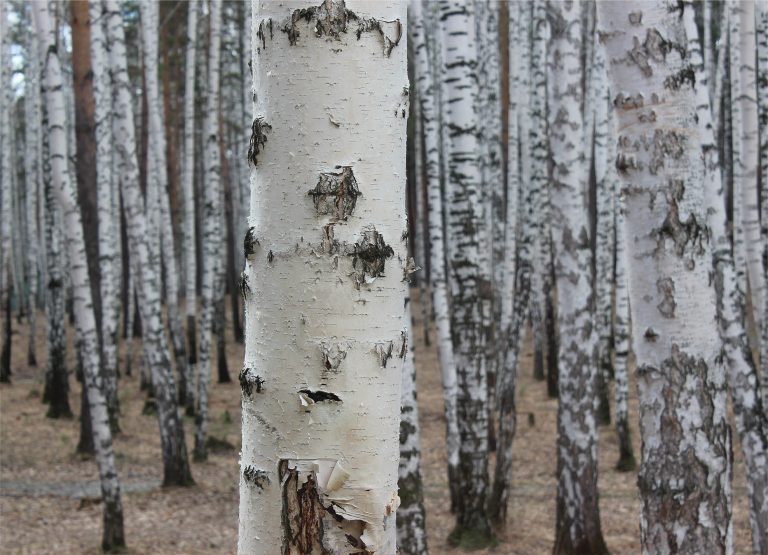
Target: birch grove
{"type": "Point", "coordinates": [394, 265]}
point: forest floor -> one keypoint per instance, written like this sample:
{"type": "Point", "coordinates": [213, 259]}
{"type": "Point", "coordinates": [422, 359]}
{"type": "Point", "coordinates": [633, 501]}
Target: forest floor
{"type": "Point", "coordinates": [49, 495]}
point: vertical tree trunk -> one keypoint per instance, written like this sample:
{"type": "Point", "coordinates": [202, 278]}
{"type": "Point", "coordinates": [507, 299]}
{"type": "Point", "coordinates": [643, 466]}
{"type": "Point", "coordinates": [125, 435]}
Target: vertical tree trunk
{"type": "Point", "coordinates": [411, 527]}
{"type": "Point", "coordinates": [762, 104]}
{"type": "Point", "coordinates": [110, 308]}
{"type": "Point", "coordinates": [113, 537]}
{"type": "Point", "coordinates": [470, 278]}
{"type": "Point", "coordinates": [686, 460]}
{"type": "Point", "coordinates": [176, 469]}
{"type": "Point", "coordinates": [188, 188]}
{"type": "Point", "coordinates": [578, 514]}
{"type": "Point", "coordinates": [6, 195]}
{"type": "Point", "coordinates": [425, 46]}
{"type": "Point", "coordinates": [211, 230]}
{"type": "Point", "coordinates": [321, 418]}
{"type": "Point", "coordinates": [751, 422]}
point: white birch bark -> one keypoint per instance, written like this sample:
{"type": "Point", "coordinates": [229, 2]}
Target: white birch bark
{"type": "Point", "coordinates": [32, 177]}
{"type": "Point", "coordinates": [516, 290]}
{"type": "Point", "coordinates": [686, 464]}
{"type": "Point", "coordinates": [762, 102]}
{"type": "Point", "coordinates": [110, 294]}
{"type": "Point", "coordinates": [211, 244]}
{"type": "Point", "coordinates": [751, 422]}
{"type": "Point", "coordinates": [6, 197]}
{"type": "Point", "coordinates": [746, 240]}
{"type": "Point", "coordinates": [411, 528]}
{"type": "Point", "coordinates": [425, 44]}
{"type": "Point", "coordinates": [325, 329]}
{"type": "Point", "coordinates": [85, 321]}
{"type": "Point", "coordinates": [469, 277]}
{"type": "Point", "coordinates": [188, 189]}
{"type": "Point", "coordinates": [175, 462]}
{"type": "Point", "coordinates": [578, 514]}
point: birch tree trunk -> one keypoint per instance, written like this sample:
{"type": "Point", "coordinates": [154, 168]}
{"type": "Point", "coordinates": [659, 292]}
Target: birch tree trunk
{"type": "Point", "coordinates": [187, 387]}
{"type": "Point", "coordinates": [176, 469]}
{"type": "Point", "coordinates": [686, 456]}
{"type": "Point", "coordinates": [411, 528]}
{"type": "Point", "coordinates": [578, 514]}
{"type": "Point", "coordinates": [32, 174]}
{"type": "Point", "coordinates": [746, 225]}
{"type": "Point", "coordinates": [110, 308]}
{"type": "Point", "coordinates": [762, 102]}
{"type": "Point", "coordinates": [425, 45]}
{"type": "Point", "coordinates": [751, 422]}
{"type": "Point", "coordinates": [319, 441]}
{"type": "Point", "coordinates": [6, 198]}
{"type": "Point", "coordinates": [211, 230]}
{"type": "Point", "coordinates": [470, 278]}
{"type": "Point", "coordinates": [113, 537]}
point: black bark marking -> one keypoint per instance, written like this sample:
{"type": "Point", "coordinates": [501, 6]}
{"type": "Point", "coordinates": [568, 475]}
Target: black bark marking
{"type": "Point", "coordinates": [653, 49]}
{"type": "Point", "coordinates": [369, 256]}
{"type": "Point", "coordinates": [270, 257]}
{"type": "Point", "coordinates": [650, 335]}
{"type": "Point", "coordinates": [629, 102]}
{"type": "Point", "coordinates": [666, 287]}
{"type": "Point", "coordinates": [336, 193]}
{"type": "Point", "coordinates": [688, 235]}
{"type": "Point", "coordinates": [403, 345]}
{"type": "Point", "coordinates": [258, 478]}
{"type": "Point", "coordinates": [264, 25]}
{"type": "Point", "coordinates": [259, 130]}
{"type": "Point", "coordinates": [666, 144]}
{"type": "Point", "coordinates": [384, 352]}
{"type": "Point", "coordinates": [320, 396]}
{"type": "Point", "coordinates": [332, 19]}
{"type": "Point", "coordinates": [245, 289]}
{"type": "Point", "coordinates": [686, 75]}
{"type": "Point", "coordinates": [635, 18]}
{"type": "Point", "coordinates": [250, 243]}
{"type": "Point", "coordinates": [249, 381]}
{"type": "Point", "coordinates": [333, 355]}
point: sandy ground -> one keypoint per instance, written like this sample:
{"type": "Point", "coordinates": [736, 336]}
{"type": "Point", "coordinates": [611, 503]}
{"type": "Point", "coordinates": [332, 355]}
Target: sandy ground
{"type": "Point", "coordinates": [48, 502]}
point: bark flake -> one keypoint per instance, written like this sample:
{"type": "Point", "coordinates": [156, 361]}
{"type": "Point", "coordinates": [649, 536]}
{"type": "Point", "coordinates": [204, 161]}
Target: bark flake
{"type": "Point", "coordinates": [333, 355]}
{"type": "Point", "coordinates": [336, 193]}
{"type": "Point", "coordinates": [250, 243]}
{"type": "Point", "coordinates": [259, 130]}
{"type": "Point", "coordinates": [666, 287]}
{"type": "Point", "coordinates": [309, 397]}
{"type": "Point", "coordinates": [249, 381]}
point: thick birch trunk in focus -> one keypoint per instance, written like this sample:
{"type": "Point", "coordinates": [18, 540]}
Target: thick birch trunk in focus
{"type": "Point", "coordinates": [425, 46]}
{"type": "Point", "coordinates": [686, 456]}
{"type": "Point", "coordinates": [324, 283]}
{"type": "Point", "coordinates": [578, 514]}
{"type": "Point", "coordinates": [176, 469]}
{"type": "Point", "coordinates": [113, 537]}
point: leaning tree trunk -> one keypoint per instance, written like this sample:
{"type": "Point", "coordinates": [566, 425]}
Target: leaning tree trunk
{"type": "Point", "coordinates": [110, 299]}
{"type": "Point", "coordinates": [751, 422]}
{"type": "Point", "coordinates": [424, 47]}
{"type": "Point", "coordinates": [470, 279]}
{"type": "Point", "coordinates": [85, 321]}
{"type": "Point", "coordinates": [411, 528]}
{"type": "Point", "coordinates": [211, 231]}
{"type": "Point", "coordinates": [176, 469]}
{"type": "Point", "coordinates": [325, 327]}
{"type": "Point", "coordinates": [686, 456]}
{"type": "Point", "coordinates": [578, 513]}
{"type": "Point", "coordinates": [187, 386]}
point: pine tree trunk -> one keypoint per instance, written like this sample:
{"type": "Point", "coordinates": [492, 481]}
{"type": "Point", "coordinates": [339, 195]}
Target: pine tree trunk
{"type": "Point", "coordinates": [176, 469]}
{"type": "Point", "coordinates": [321, 418]}
{"type": "Point", "coordinates": [113, 537]}
{"type": "Point", "coordinates": [686, 456]}
{"type": "Point", "coordinates": [211, 230]}
{"type": "Point", "coordinates": [425, 46]}
{"type": "Point", "coordinates": [411, 528]}
{"type": "Point", "coordinates": [578, 514]}
{"type": "Point", "coordinates": [470, 279]}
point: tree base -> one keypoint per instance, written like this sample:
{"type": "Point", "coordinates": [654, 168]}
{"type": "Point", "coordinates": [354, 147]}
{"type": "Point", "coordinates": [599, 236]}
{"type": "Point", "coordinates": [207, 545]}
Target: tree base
{"type": "Point", "coordinates": [471, 539]}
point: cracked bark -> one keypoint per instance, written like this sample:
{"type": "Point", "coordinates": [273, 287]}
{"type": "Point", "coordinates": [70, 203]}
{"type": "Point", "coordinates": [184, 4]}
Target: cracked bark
{"type": "Point", "coordinates": [686, 455]}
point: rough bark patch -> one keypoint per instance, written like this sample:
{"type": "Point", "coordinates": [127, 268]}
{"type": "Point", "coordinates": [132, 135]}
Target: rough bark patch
{"type": "Point", "coordinates": [336, 193]}
{"type": "Point", "coordinates": [250, 381]}
{"type": "Point", "coordinates": [369, 255]}
{"type": "Point", "coordinates": [250, 243]}
{"type": "Point", "coordinates": [259, 130]}
{"type": "Point", "coordinates": [256, 477]}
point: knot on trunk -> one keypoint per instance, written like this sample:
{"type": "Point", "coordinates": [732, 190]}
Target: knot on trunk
{"type": "Point", "coordinates": [336, 193]}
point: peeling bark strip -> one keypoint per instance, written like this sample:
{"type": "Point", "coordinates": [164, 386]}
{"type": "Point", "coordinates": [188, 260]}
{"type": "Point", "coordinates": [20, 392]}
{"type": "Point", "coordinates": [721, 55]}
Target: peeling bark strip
{"type": "Point", "coordinates": [312, 524]}
{"type": "Point", "coordinates": [331, 19]}
{"type": "Point", "coordinates": [336, 193]}
{"type": "Point", "coordinates": [686, 453]}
